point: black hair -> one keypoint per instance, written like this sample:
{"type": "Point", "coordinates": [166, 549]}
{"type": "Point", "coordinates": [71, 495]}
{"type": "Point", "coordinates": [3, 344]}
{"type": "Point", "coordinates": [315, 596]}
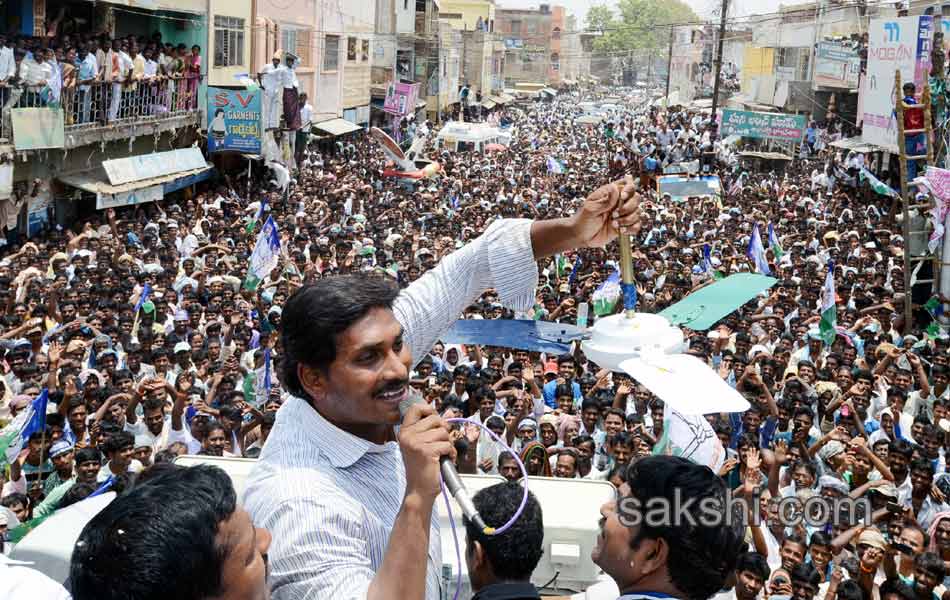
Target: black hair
{"type": "Point", "coordinates": [922, 464]}
{"type": "Point", "coordinates": [931, 563]}
{"type": "Point", "coordinates": [118, 441]}
{"type": "Point", "coordinates": [15, 498]}
{"type": "Point", "coordinates": [806, 573]}
{"type": "Point", "coordinates": [820, 538]}
{"type": "Point", "coordinates": [895, 587]}
{"type": "Point", "coordinates": [923, 532]}
{"type": "Point", "coordinates": [565, 359]}
{"type": "Point", "coordinates": [514, 554]}
{"type": "Point", "coordinates": [902, 447]}
{"type": "Point", "coordinates": [850, 590]}
{"type": "Point", "coordinates": [754, 563]}
{"type": "Point", "coordinates": [563, 390]}
{"type": "Point", "coordinates": [77, 493]}
{"type": "Point", "coordinates": [134, 547]}
{"type": "Point", "coordinates": [84, 455]}
{"type": "Point", "coordinates": [319, 312]}
{"type": "Point", "coordinates": [701, 556]}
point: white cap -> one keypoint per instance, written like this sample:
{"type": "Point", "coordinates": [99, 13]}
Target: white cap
{"type": "Point", "coordinates": [182, 347]}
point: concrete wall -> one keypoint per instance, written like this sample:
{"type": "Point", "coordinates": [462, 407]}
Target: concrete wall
{"type": "Point", "coordinates": [225, 76]}
{"type": "Point", "coordinates": [359, 19]}
{"type": "Point", "coordinates": [469, 11]}
{"type": "Point", "coordinates": [328, 102]}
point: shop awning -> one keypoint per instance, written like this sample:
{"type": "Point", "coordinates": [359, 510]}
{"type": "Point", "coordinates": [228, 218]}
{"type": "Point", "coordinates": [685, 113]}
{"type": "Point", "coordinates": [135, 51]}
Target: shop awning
{"type": "Point", "coordinates": [489, 104]}
{"type": "Point", "coordinates": [856, 144]}
{"type": "Point", "coordinates": [765, 155]}
{"type": "Point", "coordinates": [337, 127]}
{"type": "Point", "coordinates": [506, 98]}
{"type": "Point", "coordinates": [96, 181]}
{"type": "Point", "coordinates": [549, 92]}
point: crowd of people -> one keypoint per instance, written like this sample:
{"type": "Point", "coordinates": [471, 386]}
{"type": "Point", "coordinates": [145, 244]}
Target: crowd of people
{"type": "Point", "coordinates": [98, 79]}
{"type": "Point", "coordinates": [140, 328]}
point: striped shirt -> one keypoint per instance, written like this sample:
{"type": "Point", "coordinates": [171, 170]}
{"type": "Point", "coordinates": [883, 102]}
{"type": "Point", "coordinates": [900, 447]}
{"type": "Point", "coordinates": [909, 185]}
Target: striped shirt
{"type": "Point", "coordinates": [329, 498]}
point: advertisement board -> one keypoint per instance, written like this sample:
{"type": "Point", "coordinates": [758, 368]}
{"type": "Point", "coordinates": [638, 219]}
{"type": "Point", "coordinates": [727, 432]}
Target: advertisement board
{"type": "Point", "coordinates": [837, 65]}
{"type": "Point", "coordinates": [900, 44]}
{"type": "Point", "coordinates": [234, 120]}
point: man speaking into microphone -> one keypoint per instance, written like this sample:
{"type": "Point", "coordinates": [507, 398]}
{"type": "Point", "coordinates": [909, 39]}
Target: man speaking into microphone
{"type": "Point", "coordinates": [349, 504]}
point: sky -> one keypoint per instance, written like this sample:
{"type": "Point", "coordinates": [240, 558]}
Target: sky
{"type": "Point", "coordinates": [702, 7]}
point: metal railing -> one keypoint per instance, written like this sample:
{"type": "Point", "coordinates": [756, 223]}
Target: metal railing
{"type": "Point", "coordinates": [105, 104]}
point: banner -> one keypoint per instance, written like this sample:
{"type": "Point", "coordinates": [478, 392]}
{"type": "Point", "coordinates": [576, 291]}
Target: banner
{"type": "Point", "coordinates": [837, 65]}
{"type": "Point", "coordinates": [140, 196]}
{"type": "Point", "coordinates": [764, 126]}
{"type": "Point", "coordinates": [38, 128]}
{"type": "Point", "coordinates": [156, 164]}
{"type": "Point", "coordinates": [234, 120]}
{"type": "Point", "coordinates": [894, 44]}
{"type": "Point", "coordinates": [401, 98]}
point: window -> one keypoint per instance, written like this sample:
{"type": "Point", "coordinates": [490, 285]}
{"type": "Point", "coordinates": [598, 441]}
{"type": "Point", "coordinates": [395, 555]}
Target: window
{"type": "Point", "coordinates": [331, 53]}
{"type": "Point", "coordinates": [556, 33]}
{"type": "Point", "coordinates": [555, 62]}
{"type": "Point", "coordinates": [296, 40]}
{"type": "Point", "coordinates": [516, 27]}
{"type": "Point", "coordinates": [365, 52]}
{"type": "Point", "coordinates": [405, 4]}
{"type": "Point", "coordinates": [351, 44]}
{"type": "Point", "coordinates": [532, 26]}
{"type": "Point", "coordinates": [228, 41]}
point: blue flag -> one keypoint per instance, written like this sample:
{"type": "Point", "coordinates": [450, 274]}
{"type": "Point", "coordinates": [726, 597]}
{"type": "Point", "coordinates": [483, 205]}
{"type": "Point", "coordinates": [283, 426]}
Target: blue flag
{"type": "Point", "coordinates": [574, 270]}
{"type": "Point", "coordinates": [102, 489]}
{"type": "Point", "coordinates": [757, 252]}
{"type": "Point", "coordinates": [143, 298]}
{"type": "Point", "coordinates": [37, 421]}
{"type": "Point", "coordinates": [267, 382]}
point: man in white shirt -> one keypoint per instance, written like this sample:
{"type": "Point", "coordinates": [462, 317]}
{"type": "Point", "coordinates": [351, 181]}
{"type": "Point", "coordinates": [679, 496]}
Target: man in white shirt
{"type": "Point", "coordinates": [332, 486]}
{"type": "Point", "coordinates": [271, 82]}
{"type": "Point", "coordinates": [19, 580]}
{"type": "Point", "coordinates": [306, 122]}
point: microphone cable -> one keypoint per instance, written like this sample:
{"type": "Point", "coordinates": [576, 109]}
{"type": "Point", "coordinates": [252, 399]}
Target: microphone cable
{"type": "Point", "coordinates": [487, 530]}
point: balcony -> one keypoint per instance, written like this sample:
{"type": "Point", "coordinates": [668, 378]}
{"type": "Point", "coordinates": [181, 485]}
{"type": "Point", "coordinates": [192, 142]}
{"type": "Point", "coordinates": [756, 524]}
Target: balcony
{"type": "Point", "coordinates": [104, 111]}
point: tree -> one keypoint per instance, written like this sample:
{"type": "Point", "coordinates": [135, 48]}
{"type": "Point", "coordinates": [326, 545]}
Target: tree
{"type": "Point", "coordinates": [641, 24]}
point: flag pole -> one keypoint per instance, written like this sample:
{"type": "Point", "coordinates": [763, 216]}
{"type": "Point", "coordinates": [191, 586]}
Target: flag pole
{"type": "Point", "coordinates": [628, 283]}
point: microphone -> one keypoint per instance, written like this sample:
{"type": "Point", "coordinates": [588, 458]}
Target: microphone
{"type": "Point", "coordinates": [450, 475]}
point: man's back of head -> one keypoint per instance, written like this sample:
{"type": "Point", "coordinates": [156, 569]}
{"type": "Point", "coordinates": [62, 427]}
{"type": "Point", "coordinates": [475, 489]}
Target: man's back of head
{"type": "Point", "coordinates": [509, 557]}
{"type": "Point", "coordinates": [178, 534]}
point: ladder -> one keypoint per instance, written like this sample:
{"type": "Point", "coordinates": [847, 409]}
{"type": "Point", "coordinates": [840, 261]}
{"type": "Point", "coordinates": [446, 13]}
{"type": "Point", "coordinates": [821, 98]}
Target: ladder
{"type": "Point", "coordinates": [908, 201]}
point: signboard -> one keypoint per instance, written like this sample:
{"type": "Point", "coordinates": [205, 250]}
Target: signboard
{"type": "Point", "coordinates": [401, 98]}
{"type": "Point", "coordinates": [837, 65]}
{"type": "Point", "coordinates": [514, 43]}
{"type": "Point", "coordinates": [38, 128]}
{"type": "Point", "coordinates": [764, 126]}
{"type": "Point", "coordinates": [140, 196]}
{"type": "Point", "coordinates": [681, 187]}
{"type": "Point", "coordinates": [690, 167]}
{"type": "Point", "coordinates": [234, 120]}
{"type": "Point", "coordinates": [157, 164]}
{"type": "Point", "coordinates": [894, 44]}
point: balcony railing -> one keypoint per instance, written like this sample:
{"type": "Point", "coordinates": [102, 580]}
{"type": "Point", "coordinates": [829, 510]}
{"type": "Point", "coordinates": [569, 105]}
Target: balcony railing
{"type": "Point", "coordinates": [105, 105]}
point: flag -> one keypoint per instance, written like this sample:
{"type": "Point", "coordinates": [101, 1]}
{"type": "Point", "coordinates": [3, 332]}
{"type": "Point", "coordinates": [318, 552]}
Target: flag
{"type": "Point", "coordinates": [11, 438]}
{"type": "Point", "coordinates": [774, 244]}
{"type": "Point", "coordinates": [574, 270]}
{"type": "Point", "coordinates": [829, 311]}
{"type": "Point", "coordinates": [143, 298]}
{"type": "Point", "coordinates": [757, 252]}
{"type": "Point", "coordinates": [707, 263]}
{"type": "Point", "coordinates": [555, 166]}
{"type": "Point", "coordinates": [102, 489]}
{"type": "Point", "coordinates": [560, 265]}
{"type": "Point", "coordinates": [606, 296]}
{"type": "Point", "coordinates": [877, 185]}
{"type": "Point", "coordinates": [692, 437]}
{"type": "Point", "coordinates": [265, 256]}
{"type": "Point", "coordinates": [267, 382]}
{"type": "Point", "coordinates": [257, 217]}
{"type": "Point", "coordinates": [934, 306]}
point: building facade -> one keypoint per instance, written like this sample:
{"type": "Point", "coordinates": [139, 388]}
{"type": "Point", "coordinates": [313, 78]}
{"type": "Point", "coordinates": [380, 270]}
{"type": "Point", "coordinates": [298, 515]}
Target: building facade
{"type": "Point", "coordinates": [527, 37]}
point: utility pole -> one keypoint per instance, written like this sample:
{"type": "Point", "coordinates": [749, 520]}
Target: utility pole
{"type": "Point", "coordinates": [669, 67]}
{"type": "Point", "coordinates": [717, 63]}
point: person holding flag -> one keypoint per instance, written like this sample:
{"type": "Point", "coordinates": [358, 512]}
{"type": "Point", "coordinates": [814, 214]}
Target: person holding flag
{"type": "Point", "coordinates": [265, 256]}
{"type": "Point", "coordinates": [775, 244]}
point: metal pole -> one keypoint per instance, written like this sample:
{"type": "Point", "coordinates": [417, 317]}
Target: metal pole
{"type": "Point", "coordinates": [669, 67]}
{"type": "Point", "coordinates": [718, 61]}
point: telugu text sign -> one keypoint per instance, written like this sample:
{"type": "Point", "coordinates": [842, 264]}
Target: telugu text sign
{"type": "Point", "coordinates": [901, 44]}
{"type": "Point", "coordinates": [234, 120]}
{"type": "Point", "coordinates": [765, 126]}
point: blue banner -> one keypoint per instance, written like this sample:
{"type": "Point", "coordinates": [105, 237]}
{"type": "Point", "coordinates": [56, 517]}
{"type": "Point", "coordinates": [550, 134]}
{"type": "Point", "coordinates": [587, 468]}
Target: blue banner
{"type": "Point", "coordinates": [234, 120]}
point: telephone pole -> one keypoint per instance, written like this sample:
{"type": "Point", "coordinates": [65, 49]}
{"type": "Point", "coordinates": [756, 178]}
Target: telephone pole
{"type": "Point", "coordinates": [669, 67]}
{"type": "Point", "coordinates": [717, 64]}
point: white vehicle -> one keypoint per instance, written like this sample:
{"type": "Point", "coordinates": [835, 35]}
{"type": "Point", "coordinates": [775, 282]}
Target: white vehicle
{"type": "Point", "coordinates": [465, 136]}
